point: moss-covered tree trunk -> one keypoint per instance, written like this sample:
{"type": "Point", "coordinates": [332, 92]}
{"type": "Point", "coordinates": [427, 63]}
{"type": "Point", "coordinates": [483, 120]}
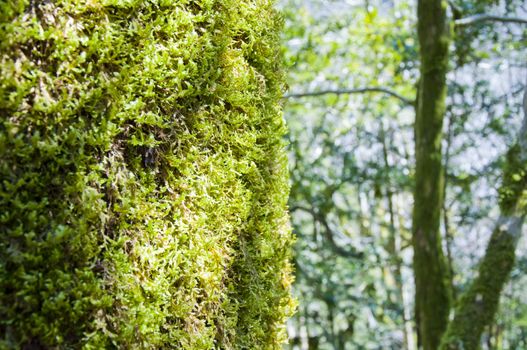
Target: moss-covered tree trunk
{"type": "Point", "coordinates": [143, 179]}
{"type": "Point", "coordinates": [432, 299]}
{"type": "Point", "coordinates": [478, 305]}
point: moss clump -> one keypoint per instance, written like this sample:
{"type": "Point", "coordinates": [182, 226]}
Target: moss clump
{"type": "Point", "coordinates": [514, 182]}
{"type": "Point", "coordinates": [143, 177]}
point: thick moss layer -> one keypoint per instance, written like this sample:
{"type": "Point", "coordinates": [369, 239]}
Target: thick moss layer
{"type": "Point", "coordinates": [143, 177]}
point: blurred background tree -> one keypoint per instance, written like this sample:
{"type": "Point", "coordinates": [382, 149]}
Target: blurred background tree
{"type": "Point", "coordinates": [354, 71]}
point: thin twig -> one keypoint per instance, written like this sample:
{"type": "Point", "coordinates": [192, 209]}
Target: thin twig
{"type": "Point", "coordinates": [485, 18]}
{"type": "Point", "coordinates": [352, 91]}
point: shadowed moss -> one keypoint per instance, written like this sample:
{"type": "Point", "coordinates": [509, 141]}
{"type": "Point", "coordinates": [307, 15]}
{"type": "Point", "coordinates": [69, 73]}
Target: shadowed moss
{"type": "Point", "coordinates": [143, 177]}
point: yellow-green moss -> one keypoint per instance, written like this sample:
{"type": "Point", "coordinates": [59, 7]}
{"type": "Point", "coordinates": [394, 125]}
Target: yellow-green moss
{"type": "Point", "coordinates": [143, 177]}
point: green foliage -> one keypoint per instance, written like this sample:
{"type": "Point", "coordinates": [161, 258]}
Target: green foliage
{"type": "Point", "coordinates": [143, 177]}
{"type": "Point", "coordinates": [349, 291]}
{"type": "Point", "coordinates": [352, 165]}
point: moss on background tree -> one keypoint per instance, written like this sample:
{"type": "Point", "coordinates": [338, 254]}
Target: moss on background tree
{"type": "Point", "coordinates": [478, 305]}
{"type": "Point", "coordinates": [432, 286]}
{"type": "Point", "coordinates": [143, 177]}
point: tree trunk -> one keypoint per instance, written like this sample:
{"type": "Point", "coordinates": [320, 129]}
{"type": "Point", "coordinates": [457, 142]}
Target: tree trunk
{"type": "Point", "coordinates": [143, 176]}
{"type": "Point", "coordinates": [479, 304]}
{"type": "Point", "coordinates": [432, 298]}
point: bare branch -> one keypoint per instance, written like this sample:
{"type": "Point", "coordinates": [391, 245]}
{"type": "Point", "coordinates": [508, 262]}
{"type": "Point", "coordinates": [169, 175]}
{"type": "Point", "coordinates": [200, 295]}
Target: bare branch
{"type": "Point", "coordinates": [328, 233]}
{"type": "Point", "coordinates": [488, 18]}
{"type": "Point", "coordinates": [352, 91]}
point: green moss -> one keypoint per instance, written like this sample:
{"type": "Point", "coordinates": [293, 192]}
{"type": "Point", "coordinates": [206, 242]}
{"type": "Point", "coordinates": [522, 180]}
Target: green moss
{"type": "Point", "coordinates": [143, 176]}
{"type": "Point", "coordinates": [514, 182]}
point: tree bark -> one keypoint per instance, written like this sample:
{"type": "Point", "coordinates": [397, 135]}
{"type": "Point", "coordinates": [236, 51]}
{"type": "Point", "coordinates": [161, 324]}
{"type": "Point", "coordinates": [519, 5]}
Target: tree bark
{"type": "Point", "coordinates": [432, 299]}
{"type": "Point", "coordinates": [479, 304]}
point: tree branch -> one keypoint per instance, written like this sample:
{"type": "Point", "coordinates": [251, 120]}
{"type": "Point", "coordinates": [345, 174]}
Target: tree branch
{"type": "Point", "coordinates": [485, 18]}
{"type": "Point", "coordinates": [352, 91]}
{"type": "Point", "coordinates": [328, 233]}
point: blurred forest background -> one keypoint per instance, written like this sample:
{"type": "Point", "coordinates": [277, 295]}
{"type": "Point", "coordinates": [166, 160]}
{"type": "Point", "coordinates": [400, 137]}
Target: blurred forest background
{"type": "Point", "coordinates": [353, 75]}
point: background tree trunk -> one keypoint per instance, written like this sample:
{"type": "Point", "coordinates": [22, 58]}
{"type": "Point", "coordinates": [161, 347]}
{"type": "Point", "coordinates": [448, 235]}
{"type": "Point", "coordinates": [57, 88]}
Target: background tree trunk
{"type": "Point", "coordinates": [432, 299]}
{"type": "Point", "coordinates": [479, 304]}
